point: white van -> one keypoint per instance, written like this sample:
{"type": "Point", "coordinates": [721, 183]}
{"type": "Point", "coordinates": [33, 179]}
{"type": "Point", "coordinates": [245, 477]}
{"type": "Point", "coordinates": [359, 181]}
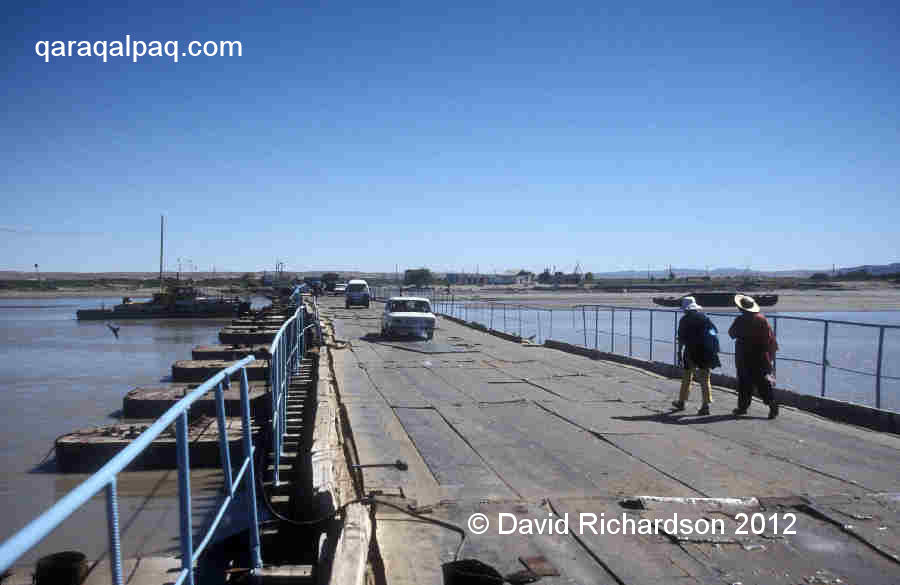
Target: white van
{"type": "Point", "coordinates": [357, 293]}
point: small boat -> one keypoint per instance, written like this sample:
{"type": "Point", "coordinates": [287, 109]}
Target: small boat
{"type": "Point", "coordinates": [179, 301]}
{"type": "Point", "coordinates": [715, 299]}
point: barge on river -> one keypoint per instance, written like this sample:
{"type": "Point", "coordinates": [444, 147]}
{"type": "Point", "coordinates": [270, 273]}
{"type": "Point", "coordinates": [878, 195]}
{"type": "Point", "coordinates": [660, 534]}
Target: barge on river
{"type": "Point", "coordinates": [715, 299]}
{"type": "Point", "coordinates": [178, 301]}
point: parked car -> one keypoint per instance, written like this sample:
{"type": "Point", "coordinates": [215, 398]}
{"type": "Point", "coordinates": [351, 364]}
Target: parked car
{"type": "Point", "coordinates": [408, 316]}
{"type": "Point", "coordinates": [340, 288]}
{"type": "Point", "coordinates": [357, 293]}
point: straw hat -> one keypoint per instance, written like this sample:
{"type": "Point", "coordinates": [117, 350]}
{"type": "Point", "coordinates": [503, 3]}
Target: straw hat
{"type": "Point", "coordinates": [746, 303]}
{"type": "Point", "coordinates": [689, 304]}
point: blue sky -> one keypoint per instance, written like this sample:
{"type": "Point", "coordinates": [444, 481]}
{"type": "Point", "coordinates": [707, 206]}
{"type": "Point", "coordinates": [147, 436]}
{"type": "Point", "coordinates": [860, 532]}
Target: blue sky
{"type": "Point", "coordinates": [360, 135]}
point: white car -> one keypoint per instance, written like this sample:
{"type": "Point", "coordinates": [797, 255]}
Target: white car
{"type": "Point", "coordinates": [340, 288]}
{"type": "Point", "coordinates": [357, 293]}
{"type": "Point", "coordinates": [408, 316]}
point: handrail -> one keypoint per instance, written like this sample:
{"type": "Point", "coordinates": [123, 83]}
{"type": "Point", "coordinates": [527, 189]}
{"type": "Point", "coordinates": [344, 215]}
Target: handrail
{"type": "Point", "coordinates": [734, 313]}
{"type": "Point", "coordinates": [286, 351]}
{"type": "Point", "coordinates": [105, 477]}
{"type": "Point", "coordinates": [485, 313]}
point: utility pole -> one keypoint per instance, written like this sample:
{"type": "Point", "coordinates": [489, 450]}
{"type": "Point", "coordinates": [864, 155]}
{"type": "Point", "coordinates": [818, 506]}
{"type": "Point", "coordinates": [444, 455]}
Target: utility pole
{"type": "Point", "coordinates": [38, 272]}
{"type": "Point", "coordinates": [161, 217]}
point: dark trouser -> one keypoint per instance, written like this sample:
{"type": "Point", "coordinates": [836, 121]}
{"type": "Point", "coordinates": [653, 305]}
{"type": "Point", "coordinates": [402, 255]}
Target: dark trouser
{"type": "Point", "coordinates": [751, 372]}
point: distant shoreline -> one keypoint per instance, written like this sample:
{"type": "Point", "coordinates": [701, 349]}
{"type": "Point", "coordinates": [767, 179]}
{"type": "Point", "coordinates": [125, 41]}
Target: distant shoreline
{"type": "Point", "coordinates": [866, 297]}
{"type": "Point", "coordinates": [92, 292]}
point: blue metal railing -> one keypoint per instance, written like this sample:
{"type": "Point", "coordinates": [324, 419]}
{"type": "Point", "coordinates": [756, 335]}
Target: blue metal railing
{"type": "Point", "coordinates": [105, 478]}
{"type": "Point", "coordinates": [650, 326]}
{"type": "Point", "coordinates": [286, 352]}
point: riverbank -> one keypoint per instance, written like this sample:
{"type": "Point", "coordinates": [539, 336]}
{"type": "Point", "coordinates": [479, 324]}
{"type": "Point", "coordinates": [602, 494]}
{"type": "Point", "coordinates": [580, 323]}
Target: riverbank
{"type": "Point", "coordinates": [94, 292]}
{"type": "Point", "coordinates": [876, 296]}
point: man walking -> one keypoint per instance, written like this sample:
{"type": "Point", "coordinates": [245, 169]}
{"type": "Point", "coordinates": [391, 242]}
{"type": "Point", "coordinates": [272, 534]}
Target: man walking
{"type": "Point", "coordinates": [698, 336]}
{"type": "Point", "coordinates": [754, 350]}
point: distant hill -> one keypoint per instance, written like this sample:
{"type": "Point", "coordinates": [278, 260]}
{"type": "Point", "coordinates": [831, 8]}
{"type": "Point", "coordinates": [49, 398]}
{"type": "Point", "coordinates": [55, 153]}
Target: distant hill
{"type": "Point", "coordinates": [713, 272]}
{"type": "Point", "coordinates": [874, 269]}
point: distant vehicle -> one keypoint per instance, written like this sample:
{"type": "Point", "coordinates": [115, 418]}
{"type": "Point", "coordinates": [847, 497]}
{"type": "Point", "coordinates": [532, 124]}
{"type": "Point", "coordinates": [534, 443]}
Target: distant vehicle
{"type": "Point", "coordinates": [357, 293]}
{"type": "Point", "coordinates": [340, 288]}
{"type": "Point", "coordinates": [408, 316]}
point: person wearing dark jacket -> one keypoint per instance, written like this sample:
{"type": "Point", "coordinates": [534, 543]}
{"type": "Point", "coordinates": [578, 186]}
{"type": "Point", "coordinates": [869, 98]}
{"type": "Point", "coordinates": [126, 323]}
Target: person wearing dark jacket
{"type": "Point", "coordinates": [754, 352]}
{"type": "Point", "coordinates": [698, 337]}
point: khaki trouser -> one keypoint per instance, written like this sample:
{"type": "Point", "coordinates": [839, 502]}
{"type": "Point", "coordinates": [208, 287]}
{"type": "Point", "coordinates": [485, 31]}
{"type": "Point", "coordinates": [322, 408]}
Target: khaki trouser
{"type": "Point", "coordinates": [688, 377]}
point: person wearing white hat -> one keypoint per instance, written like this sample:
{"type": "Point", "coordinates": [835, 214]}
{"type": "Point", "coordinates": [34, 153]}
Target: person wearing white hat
{"type": "Point", "coordinates": [754, 350]}
{"type": "Point", "coordinates": [698, 337]}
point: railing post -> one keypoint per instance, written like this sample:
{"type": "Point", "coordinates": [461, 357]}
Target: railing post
{"type": "Point", "coordinates": [184, 496]}
{"type": "Point", "coordinates": [115, 542]}
{"type": "Point", "coordinates": [551, 323]}
{"type": "Point", "coordinates": [520, 321]}
{"type": "Point", "coordinates": [774, 355]}
{"type": "Point", "coordinates": [675, 339]}
{"type": "Point", "coordinates": [224, 452]}
{"type": "Point", "coordinates": [651, 335]}
{"type": "Point", "coordinates": [629, 331]}
{"type": "Point", "coordinates": [597, 328]}
{"type": "Point", "coordinates": [612, 330]}
{"type": "Point", "coordinates": [492, 316]}
{"type": "Point", "coordinates": [250, 480]}
{"type": "Point", "coordinates": [504, 317]}
{"type": "Point", "coordinates": [538, 312]}
{"type": "Point", "coordinates": [824, 357]}
{"type": "Point", "coordinates": [276, 408]}
{"type": "Point", "coordinates": [878, 368]}
{"type": "Point", "coordinates": [584, 325]}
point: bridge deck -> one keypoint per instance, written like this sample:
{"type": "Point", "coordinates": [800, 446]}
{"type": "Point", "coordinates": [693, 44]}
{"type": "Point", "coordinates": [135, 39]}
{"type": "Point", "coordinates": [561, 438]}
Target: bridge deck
{"type": "Point", "coordinates": [490, 426]}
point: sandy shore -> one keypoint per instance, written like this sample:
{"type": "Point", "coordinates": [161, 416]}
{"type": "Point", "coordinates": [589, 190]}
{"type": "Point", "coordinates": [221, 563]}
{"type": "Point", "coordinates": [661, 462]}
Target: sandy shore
{"type": "Point", "coordinates": [881, 297]}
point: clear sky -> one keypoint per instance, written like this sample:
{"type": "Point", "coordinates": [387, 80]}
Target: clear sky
{"type": "Point", "coordinates": [365, 135]}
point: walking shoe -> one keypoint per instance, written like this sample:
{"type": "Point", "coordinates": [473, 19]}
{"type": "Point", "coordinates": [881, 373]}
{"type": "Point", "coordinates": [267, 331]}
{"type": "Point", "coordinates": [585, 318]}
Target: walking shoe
{"type": "Point", "coordinates": [678, 404]}
{"type": "Point", "coordinates": [773, 411]}
{"type": "Point", "coordinates": [704, 410]}
{"type": "Point", "coordinates": [739, 411]}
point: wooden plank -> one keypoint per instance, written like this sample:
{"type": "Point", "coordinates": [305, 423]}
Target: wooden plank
{"type": "Point", "coordinates": [395, 388]}
{"type": "Point", "coordinates": [352, 548]}
{"type": "Point", "coordinates": [540, 455]}
{"type": "Point", "coordinates": [380, 438]}
{"type": "Point", "coordinates": [452, 462]}
{"type": "Point", "coordinates": [435, 546]}
{"type": "Point", "coordinates": [634, 559]}
{"type": "Point", "coordinates": [485, 386]}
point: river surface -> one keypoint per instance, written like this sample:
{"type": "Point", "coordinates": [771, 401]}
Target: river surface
{"type": "Point", "coordinates": [58, 375]}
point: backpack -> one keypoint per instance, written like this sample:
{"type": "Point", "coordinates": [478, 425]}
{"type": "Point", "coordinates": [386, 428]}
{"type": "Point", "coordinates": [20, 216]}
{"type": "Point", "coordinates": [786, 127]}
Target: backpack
{"type": "Point", "coordinates": [711, 339]}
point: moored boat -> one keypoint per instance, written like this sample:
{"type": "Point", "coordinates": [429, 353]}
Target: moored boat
{"type": "Point", "coordinates": [715, 299]}
{"type": "Point", "coordinates": [180, 300]}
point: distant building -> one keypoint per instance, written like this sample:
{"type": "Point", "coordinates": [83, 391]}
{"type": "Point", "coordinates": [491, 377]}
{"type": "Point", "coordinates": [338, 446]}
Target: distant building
{"type": "Point", "coordinates": [575, 278]}
{"type": "Point", "coordinates": [463, 278]}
